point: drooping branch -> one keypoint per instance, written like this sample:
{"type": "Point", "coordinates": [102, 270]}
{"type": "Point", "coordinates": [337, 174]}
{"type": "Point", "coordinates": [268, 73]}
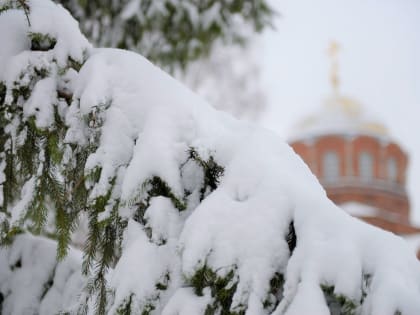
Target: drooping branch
{"type": "Point", "coordinates": [25, 8]}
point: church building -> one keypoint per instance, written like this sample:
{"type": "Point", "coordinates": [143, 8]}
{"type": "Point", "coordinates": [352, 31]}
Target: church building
{"type": "Point", "coordinates": [362, 168]}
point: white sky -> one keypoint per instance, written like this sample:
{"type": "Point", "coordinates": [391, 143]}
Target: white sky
{"type": "Point", "coordinates": [379, 66]}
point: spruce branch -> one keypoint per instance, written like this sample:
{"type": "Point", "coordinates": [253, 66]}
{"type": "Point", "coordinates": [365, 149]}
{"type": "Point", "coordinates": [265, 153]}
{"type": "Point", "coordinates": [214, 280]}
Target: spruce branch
{"type": "Point", "coordinates": [25, 8]}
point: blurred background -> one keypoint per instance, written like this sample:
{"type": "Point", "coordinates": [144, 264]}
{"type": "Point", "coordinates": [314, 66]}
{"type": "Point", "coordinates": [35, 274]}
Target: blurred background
{"type": "Point", "coordinates": [379, 66]}
{"type": "Point", "coordinates": [338, 80]}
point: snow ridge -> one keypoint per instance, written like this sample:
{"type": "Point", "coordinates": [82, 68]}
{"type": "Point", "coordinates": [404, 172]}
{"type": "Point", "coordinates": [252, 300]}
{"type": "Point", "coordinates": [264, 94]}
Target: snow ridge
{"type": "Point", "coordinates": [198, 204]}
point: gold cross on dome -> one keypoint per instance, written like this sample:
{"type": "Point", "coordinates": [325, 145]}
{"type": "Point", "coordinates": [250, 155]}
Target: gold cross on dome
{"type": "Point", "coordinates": [333, 49]}
{"type": "Point", "coordinates": [333, 53]}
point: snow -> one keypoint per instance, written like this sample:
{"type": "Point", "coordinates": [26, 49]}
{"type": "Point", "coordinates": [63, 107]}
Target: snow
{"type": "Point", "coordinates": [46, 17]}
{"type": "Point", "coordinates": [41, 102]}
{"type": "Point", "coordinates": [184, 301]}
{"type": "Point", "coordinates": [127, 276]}
{"type": "Point", "coordinates": [26, 196]}
{"type": "Point", "coordinates": [163, 220]}
{"type": "Point", "coordinates": [413, 241]}
{"type": "Point", "coordinates": [145, 123]}
{"type": "Point", "coordinates": [360, 209]}
{"type": "Point", "coordinates": [31, 280]}
{"type": "Point", "coordinates": [242, 225]}
{"type": "Point", "coordinates": [130, 9]}
{"type": "Point", "coordinates": [15, 37]}
{"type": "Point", "coordinates": [2, 180]}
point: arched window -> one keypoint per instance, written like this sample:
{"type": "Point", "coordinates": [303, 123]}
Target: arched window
{"type": "Point", "coordinates": [391, 169]}
{"type": "Point", "coordinates": [330, 165]}
{"type": "Point", "coordinates": [365, 165]}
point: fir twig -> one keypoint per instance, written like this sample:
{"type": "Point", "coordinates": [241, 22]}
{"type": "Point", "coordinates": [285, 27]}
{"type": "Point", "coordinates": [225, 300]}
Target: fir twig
{"type": "Point", "coordinates": [25, 8]}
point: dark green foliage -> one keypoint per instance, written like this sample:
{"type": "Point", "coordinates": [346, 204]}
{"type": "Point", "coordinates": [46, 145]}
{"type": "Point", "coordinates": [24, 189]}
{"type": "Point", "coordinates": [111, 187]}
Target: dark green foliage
{"type": "Point", "coordinates": [148, 309]}
{"type": "Point", "coordinates": [2, 95]}
{"type": "Point", "coordinates": [366, 280]}
{"type": "Point", "coordinates": [76, 65]}
{"type": "Point", "coordinates": [62, 185]}
{"type": "Point", "coordinates": [49, 283]}
{"type": "Point", "coordinates": [275, 293]}
{"type": "Point", "coordinates": [291, 238]}
{"type": "Point", "coordinates": [128, 306]}
{"type": "Point", "coordinates": [51, 190]}
{"type": "Point", "coordinates": [212, 172]}
{"type": "Point", "coordinates": [125, 308]}
{"type": "Point", "coordinates": [22, 91]}
{"type": "Point", "coordinates": [222, 290]}
{"type": "Point", "coordinates": [11, 184]}
{"type": "Point", "coordinates": [17, 264]}
{"type": "Point", "coordinates": [165, 32]}
{"type": "Point", "coordinates": [276, 283]}
{"type": "Point", "coordinates": [155, 187]}
{"type": "Point", "coordinates": [16, 4]}
{"type": "Point", "coordinates": [23, 4]}
{"type": "Point", "coordinates": [163, 284]}
{"type": "Point", "coordinates": [26, 152]}
{"type": "Point", "coordinates": [338, 304]}
{"type": "Point", "coordinates": [101, 251]}
{"type": "Point", "coordinates": [34, 154]}
{"type": "Point", "coordinates": [201, 279]}
{"type": "Point", "coordinates": [8, 233]}
{"type": "Point", "coordinates": [4, 7]}
{"type": "Point", "coordinates": [42, 42]}
{"type": "Point", "coordinates": [33, 157]}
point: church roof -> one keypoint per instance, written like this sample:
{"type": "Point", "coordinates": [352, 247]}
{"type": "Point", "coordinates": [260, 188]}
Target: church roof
{"type": "Point", "coordinates": [339, 115]}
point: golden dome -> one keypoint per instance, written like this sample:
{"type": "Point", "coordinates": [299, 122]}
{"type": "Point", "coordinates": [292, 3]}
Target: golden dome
{"type": "Point", "coordinates": [339, 114]}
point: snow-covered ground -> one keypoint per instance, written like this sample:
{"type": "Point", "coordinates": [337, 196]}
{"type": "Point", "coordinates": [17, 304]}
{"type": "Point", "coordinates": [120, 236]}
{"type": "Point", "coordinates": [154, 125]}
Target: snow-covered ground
{"type": "Point", "coordinates": [148, 126]}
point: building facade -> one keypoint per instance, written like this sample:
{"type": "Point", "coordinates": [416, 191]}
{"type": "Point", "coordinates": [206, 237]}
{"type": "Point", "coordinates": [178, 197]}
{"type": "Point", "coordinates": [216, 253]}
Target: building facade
{"type": "Point", "coordinates": [361, 167]}
{"type": "Point", "coordinates": [359, 164]}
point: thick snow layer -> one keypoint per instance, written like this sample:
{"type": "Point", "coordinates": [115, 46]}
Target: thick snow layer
{"type": "Point", "coordinates": [184, 301]}
{"type": "Point", "coordinates": [46, 17]}
{"type": "Point", "coordinates": [18, 210]}
{"type": "Point", "coordinates": [414, 241]}
{"type": "Point", "coordinates": [40, 104]}
{"type": "Point", "coordinates": [360, 210]}
{"type": "Point", "coordinates": [242, 223]}
{"type": "Point", "coordinates": [16, 37]}
{"type": "Point", "coordinates": [33, 282]}
{"type": "Point", "coordinates": [145, 125]}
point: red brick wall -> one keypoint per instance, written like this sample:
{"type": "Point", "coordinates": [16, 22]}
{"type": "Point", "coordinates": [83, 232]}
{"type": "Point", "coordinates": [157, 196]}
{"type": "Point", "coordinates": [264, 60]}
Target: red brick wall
{"type": "Point", "coordinates": [392, 150]}
{"type": "Point", "coordinates": [369, 145]}
{"type": "Point", "coordinates": [380, 153]}
{"type": "Point", "coordinates": [312, 153]}
{"type": "Point", "coordinates": [395, 204]}
{"type": "Point", "coordinates": [330, 143]}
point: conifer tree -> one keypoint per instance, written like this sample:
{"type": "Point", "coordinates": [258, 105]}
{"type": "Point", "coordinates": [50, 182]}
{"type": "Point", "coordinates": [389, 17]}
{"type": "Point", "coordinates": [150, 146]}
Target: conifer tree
{"type": "Point", "coordinates": [183, 215]}
{"type": "Point", "coordinates": [167, 32]}
{"type": "Point", "coordinates": [188, 38]}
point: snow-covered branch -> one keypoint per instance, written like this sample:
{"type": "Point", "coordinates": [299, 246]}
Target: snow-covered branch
{"type": "Point", "coordinates": [188, 210]}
